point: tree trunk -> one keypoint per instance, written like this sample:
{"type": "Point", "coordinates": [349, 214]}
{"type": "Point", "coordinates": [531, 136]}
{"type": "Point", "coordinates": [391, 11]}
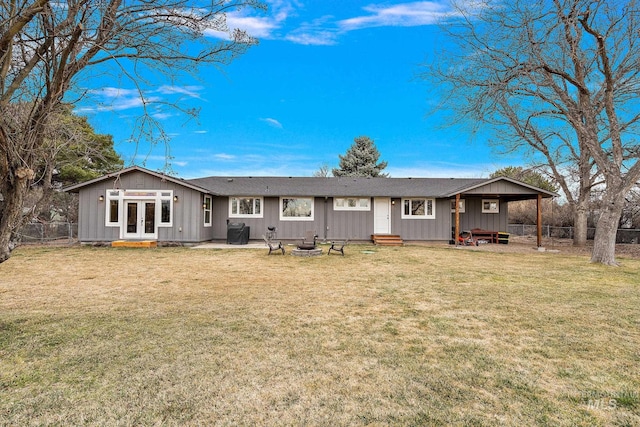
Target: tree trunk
{"type": "Point", "coordinates": [580, 215]}
{"type": "Point", "coordinates": [604, 243]}
{"type": "Point", "coordinates": [12, 215]}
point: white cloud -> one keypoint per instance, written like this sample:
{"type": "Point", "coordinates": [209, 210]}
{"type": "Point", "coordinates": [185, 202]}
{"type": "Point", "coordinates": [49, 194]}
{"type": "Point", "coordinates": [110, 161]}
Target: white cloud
{"type": "Point", "coordinates": [319, 38]}
{"type": "Point", "coordinates": [190, 91]}
{"type": "Point", "coordinates": [401, 15]}
{"type": "Point", "coordinates": [325, 30]}
{"type": "Point", "coordinates": [320, 31]}
{"type": "Point", "coordinates": [262, 27]}
{"type": "Point", "coordinates": [119, 99]}
{"type": "Point", "coordinates": [161, 116]}
{"type": "Point", "coordinates": [272, 122]}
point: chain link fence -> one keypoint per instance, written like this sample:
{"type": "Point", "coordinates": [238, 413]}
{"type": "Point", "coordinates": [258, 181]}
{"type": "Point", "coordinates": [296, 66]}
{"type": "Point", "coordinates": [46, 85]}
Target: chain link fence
{"type": "Point", "coordinates": [52, 232]}
{"type": "Point", "coordinates": [67, 232]}
{"type": "Point", "coordinates": [625, 235]}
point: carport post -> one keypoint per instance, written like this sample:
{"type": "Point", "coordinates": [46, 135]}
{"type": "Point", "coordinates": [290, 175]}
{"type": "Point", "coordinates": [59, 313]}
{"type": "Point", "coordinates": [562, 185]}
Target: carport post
{"type": "Point", "coordinates": [539, 220]}
{"type": "Point", "coordinates": [457, 210]}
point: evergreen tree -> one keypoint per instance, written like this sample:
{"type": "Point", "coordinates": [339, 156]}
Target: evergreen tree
{"type": "Point", "coordinates": [77, 152]}
{"type": "Point", "coordinates": [528, 176]}
{"type": "Point", "coordinates": [361, 159]}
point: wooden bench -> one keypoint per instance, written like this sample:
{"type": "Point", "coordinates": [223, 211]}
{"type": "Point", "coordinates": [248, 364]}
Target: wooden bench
{"type": "Point", "coordinates": [480, 234]}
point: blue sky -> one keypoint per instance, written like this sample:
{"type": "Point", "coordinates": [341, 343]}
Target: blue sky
{"type": "Point", "coordinates": [325, 72]}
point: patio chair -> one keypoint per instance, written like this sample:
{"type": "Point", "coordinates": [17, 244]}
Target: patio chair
{"type": "Point", "coordinates": [273, 245]}
{"type": "Point", "coordinates": [466, 238]}
{"type": "Point", "coordinates": [338, 246]}
{"type": "Point", "coordinates": [309, 240]}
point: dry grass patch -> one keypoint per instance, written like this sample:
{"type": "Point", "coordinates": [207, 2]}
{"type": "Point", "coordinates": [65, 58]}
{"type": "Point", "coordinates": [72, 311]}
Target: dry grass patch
{"type": "Point", "coordinates": [405, 336]}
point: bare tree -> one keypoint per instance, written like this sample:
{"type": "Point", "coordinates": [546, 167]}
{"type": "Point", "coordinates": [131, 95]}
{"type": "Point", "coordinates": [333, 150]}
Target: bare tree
{"type": "Point", "coordinates": [559, 80]}
{"type": "Point", "coordinates": [322, 172]}
{"type": "Point", "coordinates": [47, 47]}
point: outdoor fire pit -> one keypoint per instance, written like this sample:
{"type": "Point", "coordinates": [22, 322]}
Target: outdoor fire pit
{"type": "Point", "coordinates": [306, 250]}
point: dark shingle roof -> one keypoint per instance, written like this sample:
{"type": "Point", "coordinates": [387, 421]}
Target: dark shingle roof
{"type": "Point", "coordinates": [329, 187]}
{"type": "Point", "coordinates": [341, 187]}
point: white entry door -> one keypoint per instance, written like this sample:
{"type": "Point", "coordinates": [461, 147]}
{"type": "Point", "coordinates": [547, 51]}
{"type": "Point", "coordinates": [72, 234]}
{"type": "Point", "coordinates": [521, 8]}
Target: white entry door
{"type": "Point", "coordinates": [381, 215]}
{"type": "Point", "coordinates": [140, 219]}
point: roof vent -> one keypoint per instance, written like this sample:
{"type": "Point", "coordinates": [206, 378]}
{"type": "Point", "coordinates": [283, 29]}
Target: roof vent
{"type": "Point", "coordinates": [229, 179]}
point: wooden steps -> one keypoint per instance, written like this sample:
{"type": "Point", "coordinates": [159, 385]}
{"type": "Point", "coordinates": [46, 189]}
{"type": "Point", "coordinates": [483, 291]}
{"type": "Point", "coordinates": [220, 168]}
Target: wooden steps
{"type": "Point", "coordinates": [134, 244]}
{"type": "Point", "coordinates": [387, 240]}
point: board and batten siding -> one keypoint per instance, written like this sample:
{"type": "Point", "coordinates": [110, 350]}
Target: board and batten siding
{"type": "Point", "coordinates": [327, 223]}
{"type": "Point", "coordinates": [187, 211]}
{"type": "Point", "coordinates": [499, 187]}
{"type": "Point", "coordinates": [287, 230]}
{"type": "Point", "coordinates": [349, 224]}
{"type": "Point", "coordinates": [435, 229]}
{"type": "Point", "coordinates": [474, 218]}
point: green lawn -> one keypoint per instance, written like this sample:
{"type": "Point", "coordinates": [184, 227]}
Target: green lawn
{"type": "Point", "coordinates": [415, 335]}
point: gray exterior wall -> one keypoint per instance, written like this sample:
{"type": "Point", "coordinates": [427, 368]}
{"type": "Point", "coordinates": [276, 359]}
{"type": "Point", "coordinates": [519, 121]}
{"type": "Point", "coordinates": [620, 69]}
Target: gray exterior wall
{"type": "Point", "coordinates": [355, 225]}
{"type": "Point", "coordinates": [474, 218]}
{"type": "Point", "coordinates": [188, 221]}
{"type": "Point", "coordinates": [188, 215]}
{"type": "Point", "coordinates": [422, 229]}
{"type": "Point", "coordinates": [91, 216]}
{"type": "Point", "coordinates": [288, 230]}
{"type": "Point", "coordinates": [500, 187]}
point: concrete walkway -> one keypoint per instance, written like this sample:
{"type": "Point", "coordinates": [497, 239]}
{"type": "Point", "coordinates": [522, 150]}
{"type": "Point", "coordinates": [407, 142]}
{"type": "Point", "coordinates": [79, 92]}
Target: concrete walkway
{"type": "Point", "coordinates": [250, 245]}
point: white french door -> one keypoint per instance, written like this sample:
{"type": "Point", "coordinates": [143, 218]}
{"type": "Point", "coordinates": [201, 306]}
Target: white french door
{"type": "Point", "coordinates": [140, 219]}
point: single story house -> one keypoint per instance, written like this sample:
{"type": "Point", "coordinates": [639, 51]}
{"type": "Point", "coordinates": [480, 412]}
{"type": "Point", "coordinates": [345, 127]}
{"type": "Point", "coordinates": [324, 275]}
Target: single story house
{"type": "Point", "coordinates": [139, 204]}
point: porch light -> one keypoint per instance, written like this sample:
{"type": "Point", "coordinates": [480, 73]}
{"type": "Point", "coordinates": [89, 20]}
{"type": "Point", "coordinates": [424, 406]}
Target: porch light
{"type": "Point", "coordinates": [101, 198]}
{"type": "Point", "coordinates": [175, 198]}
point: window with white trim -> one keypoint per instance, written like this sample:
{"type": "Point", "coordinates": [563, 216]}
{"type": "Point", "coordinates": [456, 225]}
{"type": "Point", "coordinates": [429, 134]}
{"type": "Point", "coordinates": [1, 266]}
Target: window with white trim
{"type": "Point", "coordinates": [461, 206]}
{"type": "Point", "coordinates": [490, 206]}
{"type": "Point", "coordinates": [417, 208]}
{"type": "Point", "coordinates": [114, 205]}
{"type": "Point", "coordinates": [243, 207]}
{"type": "Point", "coordinates": [296, 208]}
{"type": "Point", "coordinates": [166, 208]}
{"type": "Point", "coordinates": [206, 207]}
{"type": "Point", "coordinates": [352, 204]}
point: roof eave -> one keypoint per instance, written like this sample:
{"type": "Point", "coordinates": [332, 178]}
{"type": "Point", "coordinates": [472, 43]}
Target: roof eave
{"type": "Point", "coordinates": [545, 193]}
{"type": "Point", "coordinates": [75, 187]}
